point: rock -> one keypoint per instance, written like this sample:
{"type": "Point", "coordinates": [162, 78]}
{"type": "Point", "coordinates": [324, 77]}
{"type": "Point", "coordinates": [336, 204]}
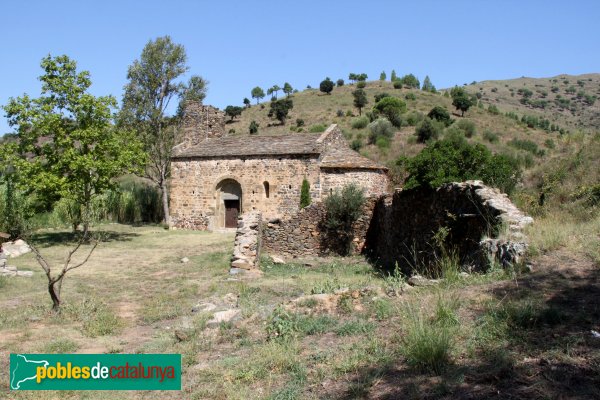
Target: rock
{"type": "Point", "coordinates": [242, 264]}
{"type": "Point", "coordinates": [27, 274]}
{"type": "Point", "coordinates": [223, 317]}
{"type": "Point", "coordinates": [418, 280]}
{"type": "Point", "coordinates": [230, 298]}
{"type": "Point", "coordinates": [185, 260]}
{"type": "Point", "coordinates": [464, 274]}
{"type": "Point", "coordinates": [355, 294]}
{"type": "Point", "coordinates": [16, 248]}
{"type": "Point", "coordinates": [341, 290]}
{"type": "Point", "coordinates": [180, 335]}
{"type": "Point", "coordinates": [204, 307]}
{"type": "Point", "coordinates": [277, 260]}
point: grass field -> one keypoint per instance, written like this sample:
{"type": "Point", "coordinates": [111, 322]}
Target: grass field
{"type": "Point", "coordinates": [497, 334]}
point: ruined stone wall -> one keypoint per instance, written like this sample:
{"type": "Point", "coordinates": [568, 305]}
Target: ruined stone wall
{"type": "Point", "coordinates": [304, 234]}
{"type": "Point", "coordinates": [194, 182]}
{"type": "Point", "coordinates": [375, 182]}
{"type": "Point", "coordinates": [408, 228]}
{"type": "Point", "coordinates": [201, 122]}
{"type": "Point", "coordinates": [246, 248]}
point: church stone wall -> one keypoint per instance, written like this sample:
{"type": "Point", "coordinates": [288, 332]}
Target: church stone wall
{"type": "Point", "coordinates": [194, 181]}
{"type": "Point", "coordinates": [201, 122]}
{"type": "Point", "coordinates": [374, 182]}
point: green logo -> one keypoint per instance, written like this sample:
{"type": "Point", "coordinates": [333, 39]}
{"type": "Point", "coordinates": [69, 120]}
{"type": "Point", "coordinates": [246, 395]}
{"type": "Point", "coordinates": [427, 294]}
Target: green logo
{"type": "Point", "coordinates": [95, 372]}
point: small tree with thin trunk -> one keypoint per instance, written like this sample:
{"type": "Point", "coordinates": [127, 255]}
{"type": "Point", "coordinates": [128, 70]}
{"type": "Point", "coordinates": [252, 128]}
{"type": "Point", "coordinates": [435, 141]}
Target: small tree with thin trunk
{"type": "Point", "coordinates": [257, 93]}
{"type": "Point", "coordinates": [360, 99]}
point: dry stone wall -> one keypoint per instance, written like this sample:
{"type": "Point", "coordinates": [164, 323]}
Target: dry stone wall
{"type": "Point", "coordinates": [246, 249]}
{"type": "Point", "coordinates": [375, 182]}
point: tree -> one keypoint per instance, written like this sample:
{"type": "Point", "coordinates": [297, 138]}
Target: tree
{"type": "Point", "coordinates": [352, 77]}
{"type": "Point", "coordinates": [326, 86]}
{"type": "Point", "coordinates": [280, 109]}
{"type": "Point", "coordinates": [360, 99]}
{"type": "Point", "coordinates": [253, 127]}
{"type": "Point", "coordinates": [393, 76]}
{"type": "Point", "coordinates": [153, 82]}
{"type": "Point", "coordinates": [461, 99]}
{"type": "Point", "coordinates": [257, 93]}
{"type": "Point", "coordinates": [340, 82]}
{"type": "Point", "coordinates": [246, 102]}
{"type": "Point", "coordinates": [382, 76]}
{"type": "Point", "coordinates": [287, 89]}
{"type": "Point", "coordinates": [233, 111]}
{"type": "Point", "coordinates": [67, 148]}
{"type": "Point", "coordinates": [305, 194]}
{"type": "Point", "coordinates": [455, 160]}
{"type": "Point", "coordinates": [410, 81]}
{"type": "Point", "coordinates": [427, 85]}
{"type": "Point", "coordinates": [275, 89]}
{"type": "Point", "coordinates": [362, 77]}
{"type": "Point", "coordinates": [343, 208]}
{"type": "Point", "coordinates": [440, 113]}
{"type": "Point", "coordinates": [380, 128]}
{"type": "Point", "coordinates": [391, 108]}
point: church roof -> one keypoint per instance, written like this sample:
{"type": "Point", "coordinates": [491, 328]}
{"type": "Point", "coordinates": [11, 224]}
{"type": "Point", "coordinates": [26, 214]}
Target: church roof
{"type": "Point", "coordinates": [330, 146]}
{"type": "Point", "coordinates": [231, 146]}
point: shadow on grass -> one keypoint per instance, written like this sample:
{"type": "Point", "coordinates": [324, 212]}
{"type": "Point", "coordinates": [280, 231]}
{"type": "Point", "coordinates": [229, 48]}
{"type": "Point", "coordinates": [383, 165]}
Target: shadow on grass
{"type": "Point", "coordinates": [544, 349]}
{"type": "Point", "coordinates": [48, 239]}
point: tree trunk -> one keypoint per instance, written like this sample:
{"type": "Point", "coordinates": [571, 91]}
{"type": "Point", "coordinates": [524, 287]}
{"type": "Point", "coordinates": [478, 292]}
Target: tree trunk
{"type": "Point", "coordinates": [54, 295]}
{"type": "Point", "coordinates": [165, 201]}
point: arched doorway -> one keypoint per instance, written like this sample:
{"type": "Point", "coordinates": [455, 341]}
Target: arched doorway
{"type": "Point", "coordinates": [229, 202]}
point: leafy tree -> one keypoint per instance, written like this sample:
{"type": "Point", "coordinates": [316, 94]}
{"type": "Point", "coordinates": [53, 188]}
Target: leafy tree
{"type": "Point", "coordinates": [410, 81]}
{"type": "Point", "coordinates": [343, 208]}
{"type": "Point", "coordinates": [151, 87]}
{"type": "Point", "coordinates": [440, 113]}
{"type": "Point", "coordinates": [393, 77]}
{"type": "Point", "coordinates": [280, 109]}
{"type": "Point", "coordinates": [340, 82]}
{"type": "Point", "coordinates": [257, 93]}
{"type": "Point", "coordinates": [382, 76]}
{"type": "Point", "coordinates": [461, 99]}
{"type": "Point", "coordinates": [360, 99]}
{"type": "Point", "coordinates": [253, 127]}
{"type": "Point", "coordinates": [246, 102]}
{"type": "Point", "coordinates": [361, 84]}
{"type": "Point", "coordinates": [362, 77]}
{"type": "Point", "coordinates": [380, 128]}
{"type": "Point", "coordinates": [427, 85]}
{"type": "Point", "coordinates": [352, 77]}
{"type": "Point", "coordinates": [391, 108]}
{"type": "Point", "coordinates": [305, 194]}
{"type": "Point", "coordinates": [275, 89]}
{"type": "Point", "coordinates": [454, 160]}
{"type": "Point", "coordinates": [287, 89]}
{"type": "Point", "coordinates": [67, 148]}
{"type": "Point", "coordinates": [428, 129]}
{"type": "Point", "coordinates": [398, 84]}
{"type": "Point", "coordinates": [326, 86]}
{"type": "Point", "coordinates": [233, 111]}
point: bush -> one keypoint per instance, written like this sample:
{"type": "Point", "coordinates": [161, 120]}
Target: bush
{"type": "Point", "coordinates": [360, 122]}
{"type": "Point", "coordinates": [468, 127]}
{"type": "Point", "coordinates": [299, 122]}
{"type": "Point", "coordinates": [490, 136]}
{"type": "Point", "coordinates": [381, 127]}
{"type": "Point", "coordinates": [455, 160]}
{"type": "Point", "coordinates": [356, 144]}
{"type": "Point", "coordinates": [340, 82]}
{"type": "Point", "coordinates": [339, 113]}
{"type": "Point", "coordinates": [492, 109]}
{"type": "Point", "coordinates": [414, 117]}
{"type": "Point", "coordinates": [317, 128]}
{"type": "Point", "coordinates": [381, 96]}
{"type": "Point", "coordinates": [410, 96]}
{"type": "Point", "coordinates": [361, 85]}
{"type": "Point", "coordinates": [439, 113]}
{"type": "Point", "coordinates": [428, 130]}
{"type": "Point", "coordinates": [382, 143]}
{"type": "Point", "coordinates": [398, 84]}
{"type": "Point", "coordinates": [343, 208]}
{"type": "Point", "coordinates": [527, 145]}
{"type": "Point", "coordinates": [391, 108]}
{"type": "Point", "coordinates": [253, 127]}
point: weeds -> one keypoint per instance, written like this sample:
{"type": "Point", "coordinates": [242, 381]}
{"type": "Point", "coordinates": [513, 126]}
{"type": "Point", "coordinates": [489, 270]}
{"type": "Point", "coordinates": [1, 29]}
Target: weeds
{"type": "Point", "coordinates": [355, 327]}
{"type": "Point", "coordinates": [95, 317]}
{"type": "Point", "coordinates": [63, 345]}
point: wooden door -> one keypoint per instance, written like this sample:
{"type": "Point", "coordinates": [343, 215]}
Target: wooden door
{"type": "Point", "coordinates": [232, 210]}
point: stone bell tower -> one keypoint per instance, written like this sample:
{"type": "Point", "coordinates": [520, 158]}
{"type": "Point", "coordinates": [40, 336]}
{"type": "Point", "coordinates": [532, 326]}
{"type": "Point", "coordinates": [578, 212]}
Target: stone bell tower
{"type": "Point", "coordinates": [201, 122]}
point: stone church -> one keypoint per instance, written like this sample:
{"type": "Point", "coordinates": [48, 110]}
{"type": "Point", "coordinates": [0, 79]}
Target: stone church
{"type": "Point", "coordinates": [216, 177]}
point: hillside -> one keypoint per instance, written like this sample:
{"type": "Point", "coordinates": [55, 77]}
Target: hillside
{"type": "Point", "coordinates": [532, 145]}
{"type": "Point", "coordinates": [566, 100]}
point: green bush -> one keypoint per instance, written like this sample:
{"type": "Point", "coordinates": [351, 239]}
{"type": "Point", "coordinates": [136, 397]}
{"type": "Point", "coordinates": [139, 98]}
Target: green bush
{"type": "Point", "coordinates": [468, 127]}
{"type": "Point", "coordinates": [527, 145]}
{"type": "Point", "coordinates": [382, 143]}
{"type": "Point", "coordinates": [360, 122]}
{"type": "Point", "coordinates": [414, 117]}
{"type": "Point", "coordinates": [305, 194]}
{"type": "Point", "coordinates": [361, 84]}
{"type": "Point", "coordinates": [492, 109]}
{"type": "Point", "coordinates": [491, 136]}
{"type": "Point", "coordinates": [410, 96]}
{"type": "Point", "coordinates": [343, 208]}
{"type": "Point", "coordinates": [317, 128]}
{"type": "Point", "coordinates": [381, 96]}
{"type": "Point", "coordinates": [428, 130]}
{"type": "Point", "coordinates": [391, 108]}
{"type": "Point", "coordinates": [356, 144]}
{"type": "Point", "coordinates": [381, 127]}
{"type": "Point", "coordinates": [299, 122]}
{"type": "Point", "coordinates": [253, 127]}
{"type": "Point", "coordinates": [440, 114]}
{"type": "Point", "coordinates": [455, 160]}
{"type": "Point", "coordinates": [398, 84]}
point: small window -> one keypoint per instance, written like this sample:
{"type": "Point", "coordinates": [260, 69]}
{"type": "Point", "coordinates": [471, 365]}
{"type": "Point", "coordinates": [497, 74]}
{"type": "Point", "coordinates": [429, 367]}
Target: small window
{"type": "Point", "coordinates": [266, 185]}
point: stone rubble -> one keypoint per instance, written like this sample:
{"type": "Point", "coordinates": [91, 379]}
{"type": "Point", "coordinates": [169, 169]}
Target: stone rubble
{"type": "Point", "coordinates": [246, 249]}
{"type": "Point", "coordinates": [16, 248]}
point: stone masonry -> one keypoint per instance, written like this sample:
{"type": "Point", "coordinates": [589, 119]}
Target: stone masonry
{"type": "Point", "coordinates": [246, 249]}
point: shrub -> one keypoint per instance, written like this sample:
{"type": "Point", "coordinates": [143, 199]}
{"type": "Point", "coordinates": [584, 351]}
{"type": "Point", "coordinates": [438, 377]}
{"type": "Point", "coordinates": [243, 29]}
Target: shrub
{"type": "Point", "coordinates": [455, 160]}
{"type": "Point", "coordinates": [468, 127]}
{"type": "Point", "coordinates": [414, 117]}
{"type": "Point", "coordinates": [305, 194]}
{"type": "Point", "coordinates": [428, 130]}
{"type": "Point", "coordinates": [490, 136]}
{"type": "Point", "coordinates": [398, 84]}
{"type": "Point", "coordinates": [326, 86]}
{"type": "Point", "coordinates": [381, 96]}
{"type": "Point", "coordinates": [439, 113]}
{"type": "Point", "coordinates": [253, 127]}
{"type": "Point", "coordinates": [410, 96]}
{"type": "Point", "coordinates": [549, 143]}
{"type": "Point", "coordinates": [391, 108]}
{"type": "Point", "coordinates": [356, 144]}
{"type": "Point", "coordinates": [360, 123]}
{"type": "Point", "coordinates": [317, 128]}
{"type": "Point", "coordinates": [343, 208]}
{"type": "Point", "coordinates": [339, 113]}
{"type": "Point", "coordinates": [527, 145]}
{"type": "Point", "coordinates": [299, 122]}
{"type": "Point", "coordinates": [356, 327]}
{"type": "Point", "coordinates": [382, 142]}
{"type": "Point", "coordinates": [340, 82]}
{"type": "Point", "coordinates": [381, 127]}
{"type": "Point", "coordinates": [492, 109]}
{"type": "Point", "coordinates": [361, 84]}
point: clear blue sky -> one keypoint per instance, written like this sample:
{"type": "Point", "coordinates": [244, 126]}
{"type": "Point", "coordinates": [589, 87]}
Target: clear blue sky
{"type": "Point", "coordinates": [237, 45]}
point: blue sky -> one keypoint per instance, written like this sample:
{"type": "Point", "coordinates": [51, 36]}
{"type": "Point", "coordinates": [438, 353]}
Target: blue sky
{"type": "Point", "coordinates": [237, 45]}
